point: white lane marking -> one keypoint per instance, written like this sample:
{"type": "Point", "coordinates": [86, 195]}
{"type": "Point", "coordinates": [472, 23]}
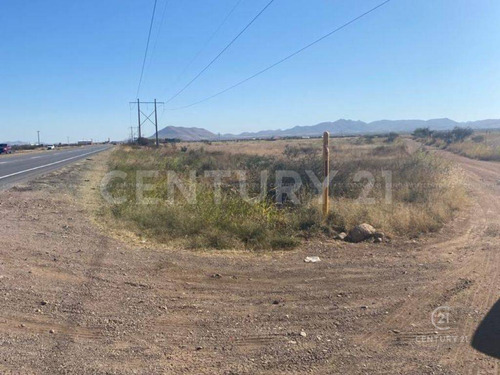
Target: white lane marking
{"type": "Point", "coordinates": [48, 165]}
{"type": "Point", "coordinates": [35, 157]}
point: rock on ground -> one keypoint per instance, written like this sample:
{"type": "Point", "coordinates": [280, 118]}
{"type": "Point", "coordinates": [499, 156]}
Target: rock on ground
{"type": "Point", "coordinates": [361, 232]}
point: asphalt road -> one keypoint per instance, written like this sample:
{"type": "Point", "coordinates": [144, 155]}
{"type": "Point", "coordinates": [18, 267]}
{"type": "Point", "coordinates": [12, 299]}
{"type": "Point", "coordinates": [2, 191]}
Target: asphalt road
{"type": "Point", "coordinates": [15, 169]}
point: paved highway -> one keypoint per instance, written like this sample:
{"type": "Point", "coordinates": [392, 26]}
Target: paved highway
{"type": "Point", "coordinates": [20, 168]}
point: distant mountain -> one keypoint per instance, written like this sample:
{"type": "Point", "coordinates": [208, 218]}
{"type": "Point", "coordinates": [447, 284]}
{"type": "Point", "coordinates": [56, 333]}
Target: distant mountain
{"type": "Point", "coordinates": [351, 127]}
{"type": "Point", "coordinates": [185, 134]}
{"type": "Point", "coordinates": [483, 124]}
{"type": "Point", "coordinates": [339, 127]}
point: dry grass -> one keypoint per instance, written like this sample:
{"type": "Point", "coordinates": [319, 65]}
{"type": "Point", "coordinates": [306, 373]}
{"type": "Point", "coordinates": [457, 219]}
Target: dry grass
{"type": "Point", "coordinates": [425, 192]}
{"type": "Point", "coordinates": [481, 145]}
{"type": "Point", "coordinates": [261, 147]}
{"type": "Point", "coordinates": [485, 147]}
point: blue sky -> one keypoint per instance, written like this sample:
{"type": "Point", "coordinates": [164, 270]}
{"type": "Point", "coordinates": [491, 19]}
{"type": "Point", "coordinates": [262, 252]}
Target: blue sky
{"type": "Point", "coordinates": [69, 68]}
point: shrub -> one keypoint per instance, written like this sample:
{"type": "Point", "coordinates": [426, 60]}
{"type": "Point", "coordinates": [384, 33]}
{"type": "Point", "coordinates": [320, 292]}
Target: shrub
{"type": "Point", "coordinates": [460, 134]}
{"type": "Point", "coordinates": [145, 141]}
{"type": "Point", "coordinates": [423, 197]}
{"type": "Point", "coordinates": [422, 133]}
{"type": "Point", "coordinates": [392, 137]}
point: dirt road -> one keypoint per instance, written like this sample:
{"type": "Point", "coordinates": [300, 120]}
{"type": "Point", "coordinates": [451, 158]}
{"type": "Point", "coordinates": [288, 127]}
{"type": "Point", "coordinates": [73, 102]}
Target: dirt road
{"type": "Point", "coordinates": [78, 301]}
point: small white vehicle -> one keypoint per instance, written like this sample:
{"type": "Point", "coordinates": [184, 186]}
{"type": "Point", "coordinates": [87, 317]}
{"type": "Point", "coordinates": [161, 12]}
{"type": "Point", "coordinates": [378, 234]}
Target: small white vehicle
{"type": "Point", "coordinates": [51, 147]}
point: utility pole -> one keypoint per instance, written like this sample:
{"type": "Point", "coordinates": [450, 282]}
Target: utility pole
{"type": "Point", "coordinates": [139, 116]}
{"type": "Point", "coordinates": [132, 134]}
{"type": "Point", "coordinates": [143, 117]}
{"type": "Point", "coordinates": [156, 126]}
{"type": "Point", "coordinates": [326, 174]}
{"type": "Point", "coordinates": [38, 134]}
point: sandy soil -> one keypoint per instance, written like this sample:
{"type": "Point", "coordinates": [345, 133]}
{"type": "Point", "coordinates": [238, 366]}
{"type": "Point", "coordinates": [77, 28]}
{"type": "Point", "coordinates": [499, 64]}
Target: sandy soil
{"type": "Point", "coordinates": [77, 300]}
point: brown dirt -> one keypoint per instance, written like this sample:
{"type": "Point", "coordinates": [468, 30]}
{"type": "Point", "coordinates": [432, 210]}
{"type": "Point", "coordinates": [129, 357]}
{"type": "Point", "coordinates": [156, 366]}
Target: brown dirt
{"type": "Point", "coordinates": [79, 301]}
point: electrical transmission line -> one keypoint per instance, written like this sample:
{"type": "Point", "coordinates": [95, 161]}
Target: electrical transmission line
{"type": "Point", "coordinates": [159, 30]}
{"type": "Point", "coordinates": [220, 53]}
{"type": "Point", "coordinates": [208, 40]}
{"type": "Point", "coordinates": [147, 47]}
{"type": "Point", "coordinates": [284, 59]}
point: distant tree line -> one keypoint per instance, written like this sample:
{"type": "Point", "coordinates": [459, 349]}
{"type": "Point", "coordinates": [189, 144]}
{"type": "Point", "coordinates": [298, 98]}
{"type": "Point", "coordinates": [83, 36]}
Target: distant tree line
{"type": "Point", "coordinates": [458, 134]}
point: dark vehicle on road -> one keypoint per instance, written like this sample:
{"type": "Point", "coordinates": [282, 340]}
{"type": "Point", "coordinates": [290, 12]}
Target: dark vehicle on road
{"type": "Point", "coordinates": [5, 148]}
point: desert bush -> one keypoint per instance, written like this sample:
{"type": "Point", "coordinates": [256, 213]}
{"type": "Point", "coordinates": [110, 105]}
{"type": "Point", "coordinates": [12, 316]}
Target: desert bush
{"type": "Point", "coordinates": [460, 141]}
{"type": "Point", "coordinates": [391, 137]}
{"type": "Point", "coordinates": [145, 141]}
{"type": "Point", "coordinates": [460, 134]}
{"type": "Point", "coordinates": [425, 193]}
{"type": "Point", "coordinates": [231, 223]}
{"type": "Point", "coordinates": [422, 133]}
{"type": "Point", "coordinates": [302, 151]}
{"type": "Point", "coordinates": [368, 139]}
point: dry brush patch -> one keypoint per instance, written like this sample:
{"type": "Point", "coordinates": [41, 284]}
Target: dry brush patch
{"type": "Point", "coordinates": [483, 145]}
{"type": "Point", "coordinates": [476, 150]}
{"type": "Point", "coordinates": [375, 181]}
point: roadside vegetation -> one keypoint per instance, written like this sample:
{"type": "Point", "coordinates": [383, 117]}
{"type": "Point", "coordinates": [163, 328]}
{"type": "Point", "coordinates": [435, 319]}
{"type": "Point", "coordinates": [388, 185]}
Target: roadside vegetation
{"type": "Point", "coordinates": [375, 181]}
{"type": "Point", "coordinates": [463, 141]}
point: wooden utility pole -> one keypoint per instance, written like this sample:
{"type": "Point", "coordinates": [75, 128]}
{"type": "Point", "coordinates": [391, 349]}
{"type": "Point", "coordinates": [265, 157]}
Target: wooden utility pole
{"type": "Point", "coordinates": [156, 127]}
{"type": "Point", "coordinates": [326, 174]}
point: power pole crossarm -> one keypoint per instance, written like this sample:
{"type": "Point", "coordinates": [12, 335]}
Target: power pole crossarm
{"type": "Point", "coordinates": [144, 117]}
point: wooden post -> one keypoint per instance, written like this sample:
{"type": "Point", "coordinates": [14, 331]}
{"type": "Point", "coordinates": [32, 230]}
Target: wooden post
{"type": "Point", "coordinates": [326, 174]}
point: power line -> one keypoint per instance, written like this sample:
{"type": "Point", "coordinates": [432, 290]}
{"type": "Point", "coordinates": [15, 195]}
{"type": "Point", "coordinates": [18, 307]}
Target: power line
{"type": "Point", "coordinates": [165, 7]}
{"type": "Point", "coordinates": [220, 53]}
{"type": "Point", "coordinates": [208, 40]}
{"type": "Point", "coordinates": [284, 59]}
{"type": "Point", "coordinates": [147, 47]}
{"type": "Point", "coordinates": [195, 57]}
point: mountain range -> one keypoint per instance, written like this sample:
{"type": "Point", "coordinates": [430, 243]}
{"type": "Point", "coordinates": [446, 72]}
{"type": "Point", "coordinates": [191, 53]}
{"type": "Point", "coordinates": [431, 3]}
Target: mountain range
{"type": "Point", "coordinates": [185, 134]}
{"type": "Point", "coordinates": [336, 128]}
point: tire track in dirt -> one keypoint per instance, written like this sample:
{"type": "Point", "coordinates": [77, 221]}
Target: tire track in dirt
{"type": "Point", "coordinates": [128, 308]}
{"type": "Point", "coordinates": [479, 265]}
{"type": "Point", "coordinates": [417, 298]}
{"type": "Point", "coordinates": [485, 294]}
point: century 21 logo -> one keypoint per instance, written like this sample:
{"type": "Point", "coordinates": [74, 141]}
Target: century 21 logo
{"type": "Point", "coordinates": [440, 318]}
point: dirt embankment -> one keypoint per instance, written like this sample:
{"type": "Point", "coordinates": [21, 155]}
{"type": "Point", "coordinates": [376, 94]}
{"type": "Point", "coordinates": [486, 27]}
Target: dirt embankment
{"type": "Point", "coordinates": [78, 301]}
